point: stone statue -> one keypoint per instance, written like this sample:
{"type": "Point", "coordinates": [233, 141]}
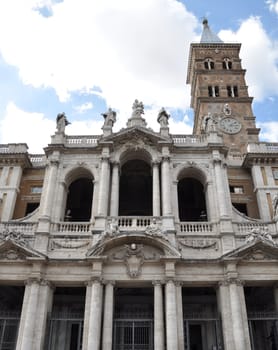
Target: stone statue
{"type": "Point", "coordinates": [61, 122]}
{"type": "Point", "coordinates": [259, 233]}
{"type": "Point", "coordinates": [163, 117]}
{"type": "Point", "coordinates": [275, 206]}
{"type": "Point", "coordinates": [227, 109]}
{"type": "Point", "coordinates": [137, 108]}
{"type": "Point", "coordinates": [109, 118]}
{"type": "Point", "coordinates": [208, 123]}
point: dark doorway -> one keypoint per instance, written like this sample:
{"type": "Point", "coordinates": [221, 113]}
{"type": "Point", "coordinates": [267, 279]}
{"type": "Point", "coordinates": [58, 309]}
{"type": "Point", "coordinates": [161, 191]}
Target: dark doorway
{"type": "Point", "coordinates": [79, 201]}
{"type": "Point", "coordinates": [195, 331]}
{"type": "Point", "coordinates": [191, 198]}
{"type": "Point", "coordinates": [135, 189]}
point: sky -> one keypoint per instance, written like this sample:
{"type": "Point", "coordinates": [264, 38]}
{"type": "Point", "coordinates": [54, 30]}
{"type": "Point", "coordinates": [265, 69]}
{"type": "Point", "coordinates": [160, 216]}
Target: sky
{"type": "Point", "coordinates": [83, 56]}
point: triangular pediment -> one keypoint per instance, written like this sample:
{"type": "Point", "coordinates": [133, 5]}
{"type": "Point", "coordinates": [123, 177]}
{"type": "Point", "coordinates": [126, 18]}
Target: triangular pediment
{"type": "Point", "coordinates": [135, 134]}
{"type": "Point", "coordinates": [11, 250]}
{"type": "Point", "coordinates": [257, 250]}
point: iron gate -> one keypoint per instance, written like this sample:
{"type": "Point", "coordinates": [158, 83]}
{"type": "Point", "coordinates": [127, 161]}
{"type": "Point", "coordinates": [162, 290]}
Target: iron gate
{"type": "Point", "coordinates": [9, 323]}
{"type": "Point", "coordinates": [133, 334]}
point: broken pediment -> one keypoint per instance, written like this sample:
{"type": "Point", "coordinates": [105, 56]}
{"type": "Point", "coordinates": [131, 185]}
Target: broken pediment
{"type": "Point", "coordinates": [154, 247]}
{"type": "Point", "coordinates": [258, 249]}
{"type": "Point", "coordinates": [135, 135]}
{"type": "Point", "coordinates": [13, 251]}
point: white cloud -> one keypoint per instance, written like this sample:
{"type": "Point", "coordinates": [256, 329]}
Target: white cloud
{"type": "Point", "coordinates": [259, 56]}
{"type": "Point", "coordinates": [84, 107]}
{"type": "Point", "coordinates": [269, 131]}
{"type": "Point", "coordinates": [273, 5]}
{"type": "Point", "coordinates": [23, 127]}
{"type": "Point", "coordinates": [129, 49]}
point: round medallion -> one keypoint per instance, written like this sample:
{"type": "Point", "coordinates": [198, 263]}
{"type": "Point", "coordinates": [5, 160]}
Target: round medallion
{"type": "Point", "coordinates": [230, 125]}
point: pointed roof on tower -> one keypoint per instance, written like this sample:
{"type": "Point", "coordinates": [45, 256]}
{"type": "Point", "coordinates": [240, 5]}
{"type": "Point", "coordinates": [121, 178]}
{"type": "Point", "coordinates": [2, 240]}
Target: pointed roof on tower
{"type": "Point", "coordinates": [208, 36]}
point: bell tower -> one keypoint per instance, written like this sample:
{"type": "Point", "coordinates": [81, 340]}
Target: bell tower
{"type": "Point", "coordinates": [219, 94]}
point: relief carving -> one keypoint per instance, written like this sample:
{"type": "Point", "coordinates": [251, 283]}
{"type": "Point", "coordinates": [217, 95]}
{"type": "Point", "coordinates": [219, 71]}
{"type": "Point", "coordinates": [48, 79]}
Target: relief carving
{"type": "Point", "coordinates": [200, 243]}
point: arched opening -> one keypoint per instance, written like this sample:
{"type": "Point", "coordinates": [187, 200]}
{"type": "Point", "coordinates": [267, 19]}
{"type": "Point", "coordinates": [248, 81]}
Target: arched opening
{"type": "Point", "coordinates": [191, 199]}
{"type": "Point", "coordinates": [79, 200]}
{"type": "Point", "coordinates": [135, 189]}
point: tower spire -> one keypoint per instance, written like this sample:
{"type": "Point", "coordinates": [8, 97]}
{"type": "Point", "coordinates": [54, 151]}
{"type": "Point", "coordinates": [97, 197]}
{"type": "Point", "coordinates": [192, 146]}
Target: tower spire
{"type": "Point", "coordinates": [208, 36]}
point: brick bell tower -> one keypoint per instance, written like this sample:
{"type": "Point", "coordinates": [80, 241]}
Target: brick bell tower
{"type": "Point", "coordinates": [219, 94]}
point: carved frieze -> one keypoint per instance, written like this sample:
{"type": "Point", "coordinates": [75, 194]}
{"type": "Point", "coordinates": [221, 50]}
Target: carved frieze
{"type": "Point", "coordinates": [199, 243]}
{"type": "Point", "coordinates": [68, 244]}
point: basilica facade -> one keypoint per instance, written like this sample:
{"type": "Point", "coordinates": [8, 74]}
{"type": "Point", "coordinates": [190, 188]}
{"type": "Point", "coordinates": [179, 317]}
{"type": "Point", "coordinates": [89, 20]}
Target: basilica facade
{"type": "Point", "coordinates": [143, 240]}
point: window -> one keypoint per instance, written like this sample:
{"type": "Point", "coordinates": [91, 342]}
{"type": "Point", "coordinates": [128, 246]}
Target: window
{"type": "Point", "coordinates": [209, 64]}
{"type": "Point", "coordinates": [236, 189]}
{"type": "Point", "coordinates": [36, 189]}
{"type": "Point", "coordinates": [241, 207]}
{"type": "Point", "coordinates": [31, 207]}
{"type": "Point", "coordinates": [213, 91]}
{"type": "Point", "coordinates": [227, 64]}
{"type": "Point", "coordinates": [232, 91]}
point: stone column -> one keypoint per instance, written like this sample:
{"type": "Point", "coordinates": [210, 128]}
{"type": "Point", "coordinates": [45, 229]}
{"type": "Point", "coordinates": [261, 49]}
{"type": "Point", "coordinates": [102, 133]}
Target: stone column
{"type": "Point", "coordinates": [107, 332]}
{"type": "Point", "coordinates": [165, 188]}
{"type": "Point", "coordinates": [104, 187]}
{"type": "Point", "coordinates": [221, 189]}
{"type": "Point", "coordinates": [94, 319]}
{"type": "Point", "coordinates": [260, 193]}
{"type": "Point", "coordinates": [224, 306]}
{"type": "Point", "coordinates": [239, 317]}
{"type": "Point", "coordinates": [275, 292]}
{"type": "Point", "coordinates": [156, 189]}
{"type": "Point", "coordinates": [48, 189]}
{"type": "Point", "coordinates": [180, 316]}
{"type": "Point", "coordinates": [171, 316]}
{"type": "Point", "coordinates": [28, 319]}
{"type": "Point", "coordinates": [45, 305]}
{"type": "Point", "coordinates": [158, 317]}
{"type": "Point", "coordinates": [11, 193]}
{"type": "Point", "coordinates": [115, 188]}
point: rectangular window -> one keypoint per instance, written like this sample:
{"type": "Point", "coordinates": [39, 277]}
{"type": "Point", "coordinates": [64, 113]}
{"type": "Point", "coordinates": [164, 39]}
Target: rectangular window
{"type": "Point", "coordinates": [36, 189]}
{"type": "Point", "coordinates": [236, 189]}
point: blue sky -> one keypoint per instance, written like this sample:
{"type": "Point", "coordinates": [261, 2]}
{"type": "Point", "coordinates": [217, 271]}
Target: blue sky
{"type": "Point", "coordinates": [81, 57]}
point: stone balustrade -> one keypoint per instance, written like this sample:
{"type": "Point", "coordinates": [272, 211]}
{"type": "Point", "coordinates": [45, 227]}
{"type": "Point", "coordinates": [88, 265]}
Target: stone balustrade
{"type": "Point", "coordinates": [28, 228]}
{"type": "Point", "coordinates": [243, 228]}
{"type": "Point", "coordinates": [13, 148]}
{"type": "Point", "coordinates": [134, 222]}
{"type": "Point", "coordinates": [262, 147]}
{"type": "Point", "coordinates": [189, 139]}
{"type": "Point", "coordinates": [82, 141]}
{"type": "Point", "coordinates": [71, 227]}
{"type": "Point", "coordinates": [197, 227]}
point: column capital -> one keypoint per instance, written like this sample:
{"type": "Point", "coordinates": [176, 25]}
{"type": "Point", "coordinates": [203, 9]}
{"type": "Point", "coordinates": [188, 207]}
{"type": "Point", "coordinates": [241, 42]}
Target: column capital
{"type": "Point", "coordinates": [105, 158]}
{"type": "Point", "coordinates": [94, 280]}
{"type": "Point", "coordinates": [231, 280]}
{"type": "Point", "coordinates": [155, 163]}
{"type": "Point", "coordinates": [166, 158]}
{"type": "Point", "coordinates": [111, 282]}
{"type": "Point", "coordinates": [115, 163]}
{"type": "Point", "coordinates": [158, 282]}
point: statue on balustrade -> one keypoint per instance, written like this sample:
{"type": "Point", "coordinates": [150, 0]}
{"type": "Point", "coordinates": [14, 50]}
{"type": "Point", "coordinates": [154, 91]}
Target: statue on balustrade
{"type": "Point", "coordinates": [61, 122]}
{"type": "Point", "coordinates": [109, 118]}
{"type": "Point", "coordinates": [163, 118]}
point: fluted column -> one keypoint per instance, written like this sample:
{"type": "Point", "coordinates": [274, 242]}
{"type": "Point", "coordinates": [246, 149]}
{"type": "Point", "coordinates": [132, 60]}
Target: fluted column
{"type": "Point", "coordinates": [104, 187]}
{"type": "Point", "coordinates": [171, 316]}
{"type": "Point", "coordinates": [165, 188]}
{"type": "Point", "coordinates": [239, 317]}
{"type": "Point", "coordinates": [115, 187]}
{"type": "Point", "coordinates": [94, 320]}
{"type": "Point", "coordinates": [158, 316]}
{"type": "Point", "coordinates": [26, 337]}
{"type": "Point", "coordinates": [156, 190]}
{"type": "Point", "coordinates": [107, 333]}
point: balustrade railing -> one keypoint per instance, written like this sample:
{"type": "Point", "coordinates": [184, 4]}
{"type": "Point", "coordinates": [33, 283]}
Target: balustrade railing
{"type": "Point", "coordinates": [197, 227]}
{"type": "Point", "coordinates": [72, 227]}
{"type": "Point", "coordinates": [22, 227]}
{"type": "Point", "coordinates": [246, 227]}
{"type": "Point", "coordinates": [80, 141]}
{"type": "Point", "coordinates": [134, 222]}
{"type": "Point", "coordinates": [189, 139]}
{"type": "Point", "coordinates": [262, 147]}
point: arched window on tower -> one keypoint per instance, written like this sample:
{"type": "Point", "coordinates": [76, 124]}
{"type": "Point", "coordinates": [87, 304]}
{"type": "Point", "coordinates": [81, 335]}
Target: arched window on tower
{"type": "Point", "coordinates": [135, 197]}
{"type": "Point", "coordinates": [79, 200]}
{"type": "Point", "coordinates": [227, 63]}
{"type": "Point", "coordinates": [191, 200]}
{"type": "Point", "coordinates": [209, 64]}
